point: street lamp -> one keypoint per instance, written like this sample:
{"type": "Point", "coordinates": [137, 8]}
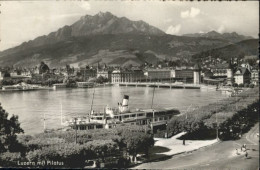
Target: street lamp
{"type": "Point", "coordinates": [166, 134]}
{"type": "Point", "coordinates": [75, 123]}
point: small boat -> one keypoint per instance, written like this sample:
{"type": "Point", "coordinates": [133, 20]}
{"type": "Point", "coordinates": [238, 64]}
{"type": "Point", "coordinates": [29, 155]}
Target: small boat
{"type": "Point", "coordinates": [23, 87]}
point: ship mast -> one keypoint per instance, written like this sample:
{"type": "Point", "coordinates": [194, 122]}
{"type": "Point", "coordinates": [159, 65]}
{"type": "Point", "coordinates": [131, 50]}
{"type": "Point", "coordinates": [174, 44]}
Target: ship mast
{"type": "Point", "coordinates": [92, 101]}
{"type": "Point", "coordinates": [153, 97]}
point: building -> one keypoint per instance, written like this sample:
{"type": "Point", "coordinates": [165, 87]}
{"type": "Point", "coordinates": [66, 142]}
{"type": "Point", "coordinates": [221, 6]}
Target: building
{"type": "Point", "coordinates": [185, 75]}
{"type": "Point", "coordinates": [207, 74]}
{"type": "Point", "coordinates": [105, 74]}
{"type": "Point", "coordinates": [255, 76]}
{"type": "Point", "coordinates": [88, 73]}
{"type": "Point", "coordinates": [242, 76]}
{"type": "Point", "coordinates": [247, 65]}
{"type": "Point", "coordinates": [223, 70]}
{"type": "Point", "coordinates": [1, 75]}
{"type": "Point", "coordinates": [119, 76]}
{"type": "Point", "coordinates": [230, 78]}
{"type": "Point", "coordinates": [158, 74]}
{"type": "Point", "coordinates": [220, 70]}
{"type": "Point", "coordinates": [196, 74]}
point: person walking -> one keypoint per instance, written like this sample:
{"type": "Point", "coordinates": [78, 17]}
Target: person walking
{"type": "Point", "coordinates": [246, 154]}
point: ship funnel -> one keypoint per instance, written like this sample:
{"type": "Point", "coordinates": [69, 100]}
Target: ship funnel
{"type": "Point", "coordinates": [125, 100]}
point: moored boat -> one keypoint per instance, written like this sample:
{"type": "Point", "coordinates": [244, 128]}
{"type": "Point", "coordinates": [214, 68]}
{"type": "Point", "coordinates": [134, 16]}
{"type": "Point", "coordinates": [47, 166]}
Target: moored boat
{"type": "Point", "coordinates": [156, 118]}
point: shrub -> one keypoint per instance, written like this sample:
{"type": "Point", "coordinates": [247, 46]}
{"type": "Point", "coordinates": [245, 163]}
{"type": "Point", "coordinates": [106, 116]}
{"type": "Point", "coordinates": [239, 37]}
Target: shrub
{"type": "Point", "coordinates": [198, 121]}
{"type": "Point", "coordinates": [246, 85]}
{"type": "Point", "coordinates": [8, 159]}
{"type": "Point", "coordinates": [70, 154]}
{"type": "Point", "coordinates": [251, 85]}
{"type": "Point", "coordinates": [241, 85]}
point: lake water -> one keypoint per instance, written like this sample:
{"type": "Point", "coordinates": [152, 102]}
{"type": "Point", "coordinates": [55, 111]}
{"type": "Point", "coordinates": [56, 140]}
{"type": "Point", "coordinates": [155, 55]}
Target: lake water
{"type": "Point", "coordinates": [30, 106]}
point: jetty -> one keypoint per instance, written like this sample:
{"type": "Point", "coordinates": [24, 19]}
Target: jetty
{"type": "Point", "coordinates": [159, 85]}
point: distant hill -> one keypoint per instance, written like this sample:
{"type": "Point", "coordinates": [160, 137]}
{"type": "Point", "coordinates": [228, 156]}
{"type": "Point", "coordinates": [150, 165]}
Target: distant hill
{"type": "Point", "coordinates": [111, 48]}
{"type": "Point", "coordinates": [108, 39]}
{"type": "Point", "coordinates": [232, 37]}
{"type": "Point", "coordinates": [239, 50]}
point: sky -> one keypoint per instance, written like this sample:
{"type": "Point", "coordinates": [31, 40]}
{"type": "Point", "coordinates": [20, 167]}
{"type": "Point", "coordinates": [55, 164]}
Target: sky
{"type": "Point", "coordinates": [22, 21]}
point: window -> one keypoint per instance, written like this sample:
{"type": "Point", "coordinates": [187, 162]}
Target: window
{"type": "Point", "coordinates": [140, 114]}
{"type": "Point", "coordinates": [126, 116]}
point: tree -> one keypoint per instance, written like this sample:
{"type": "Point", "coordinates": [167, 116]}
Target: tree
{"type": "Point", "coordinates": [44, 68]}
{"type": "Point", "coordinates": [246, 85]}
{"type": "Point", "coordinates": [101, 79]}
{"type": "Point", "coordinates": [8, 130]}
{"type": "Point", "coordinates": [251, 85]}
{"type": "Point", "coordinates": [137, 141]}
{"type": "Point", "coordinates": [241, 85]}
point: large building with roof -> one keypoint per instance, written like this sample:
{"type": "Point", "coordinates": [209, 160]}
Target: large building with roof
{"type": "Point", "coordinates": [242, 76]}
{"type": "Point", "coordinates": [126, 76]}
{"type": "Point", "coordinates": [255, 76]}
{"type": "Point", "coordinates": [224, 70]}
{"type": "Point", "coordinates": [221, 70]}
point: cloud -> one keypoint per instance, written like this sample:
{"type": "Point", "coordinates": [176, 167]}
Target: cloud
{"type": "Point", "coordinates": [192, 13]}
{"type": "Point", "coordinates": [221, 29]}
{"type": "Point", "coordinates": [85, 5]}
{"type": "Point", "coordinates": [174, 30]}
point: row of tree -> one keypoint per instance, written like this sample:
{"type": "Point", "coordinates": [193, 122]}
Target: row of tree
{"type": "Point", "coordinates": [122, 143]}
{"type": "Point", "coordinates": [203, 122]}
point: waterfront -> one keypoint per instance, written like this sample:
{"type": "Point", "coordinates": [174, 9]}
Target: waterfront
{"type": "Point", "coordinates": [30, 106]}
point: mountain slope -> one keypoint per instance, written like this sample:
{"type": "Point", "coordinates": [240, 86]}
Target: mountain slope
{"type": "Point", "coordinates": [239, 50]}
{"type": "Point", "coordinates": [99, 24]}
{"type": "Point", "coordinates": [90, 49]}
{"type": "Point", "coordinates": [232, 37]}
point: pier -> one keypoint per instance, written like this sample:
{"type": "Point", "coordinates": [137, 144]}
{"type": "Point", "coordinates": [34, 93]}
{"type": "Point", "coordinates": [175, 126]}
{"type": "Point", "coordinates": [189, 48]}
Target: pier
{"type": "Point", "coordinates": [159, 85]}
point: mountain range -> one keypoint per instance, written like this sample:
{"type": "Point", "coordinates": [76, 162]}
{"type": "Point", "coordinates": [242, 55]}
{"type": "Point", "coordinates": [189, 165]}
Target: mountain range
{"type": "Point", "coordinates": [238, 50]}
{"type": "Point", "coordinates": [109, 39]}
{"type": "Point", "coordinates": [232, 37]}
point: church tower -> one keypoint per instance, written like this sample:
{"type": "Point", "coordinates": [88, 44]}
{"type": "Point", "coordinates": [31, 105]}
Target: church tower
{"type": "Point", "coordinates": [196, 74]}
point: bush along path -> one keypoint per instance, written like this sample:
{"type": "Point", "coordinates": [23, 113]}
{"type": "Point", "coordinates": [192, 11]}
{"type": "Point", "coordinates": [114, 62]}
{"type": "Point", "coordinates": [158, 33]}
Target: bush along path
{"type": "Point", "coordinates": [108, 148]}
{"type": "Point", "coordinates": [226, 119]}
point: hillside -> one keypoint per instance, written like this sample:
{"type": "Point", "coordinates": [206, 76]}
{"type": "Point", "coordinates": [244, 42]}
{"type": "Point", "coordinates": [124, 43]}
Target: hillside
{"type": "Point", "coordinates": [99, 24]}
{"type": "Point", "coordinates": [232, 37]}
{"type": "Point", "coordinates": [111, 48]}
{"type": "Point", "coordinates": [239, 50]}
